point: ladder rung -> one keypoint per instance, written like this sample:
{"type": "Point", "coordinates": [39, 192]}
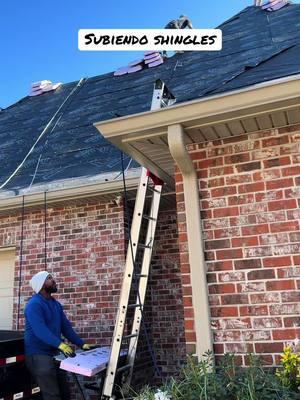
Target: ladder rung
{"type": "Point", "coordinates": [130, 336]}
{"type": "Point", "coordinates": [134, 305]}
{"type": "Point", "coordinates": [144, 246]}
{"type": "Point", "coordinates": [128, 366]}
{"type": "Point", "coordinates": [92, 386]}
{"type": "Point", "coordinates": [141, 275]}
{"type": "Point", "coordinates": [152, 189]}
{"type": "Point", "coordinates": [149, 218]}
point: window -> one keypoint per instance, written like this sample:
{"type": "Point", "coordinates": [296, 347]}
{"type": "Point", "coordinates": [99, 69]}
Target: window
{"type": "Point", "coordinates": [7, 268]}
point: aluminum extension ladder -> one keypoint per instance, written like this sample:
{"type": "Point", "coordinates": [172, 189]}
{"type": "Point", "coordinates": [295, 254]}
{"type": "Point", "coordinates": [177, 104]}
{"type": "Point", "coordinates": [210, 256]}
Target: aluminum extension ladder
{"type": "Point", "coordinates": [161, 98]}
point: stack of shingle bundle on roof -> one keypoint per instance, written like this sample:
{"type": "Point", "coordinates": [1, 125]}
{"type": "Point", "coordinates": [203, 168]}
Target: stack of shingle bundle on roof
{"type": "Point", "coordinates": [151, 59]}
{"type": "Point", "coordinates": [44, 86]}
{"type": "Point", "coordinates": [273, 5]}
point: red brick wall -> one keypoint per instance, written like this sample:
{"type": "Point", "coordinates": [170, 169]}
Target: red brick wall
{"type": "Point", "coordinates": [86, 256]}
{"type": "Point", "coordinates": [249, 190]}
{"type": "Point", "coordinates": [165, 296]}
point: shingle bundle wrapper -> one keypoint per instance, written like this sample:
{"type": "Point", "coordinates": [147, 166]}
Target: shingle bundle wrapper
{"type": "Point", "coordinates": [136, 65]}
{"type": "Point", "coordinates": [121, 71]}
{"type": "Point", "coordinates": [151, 59]}
{"type": "Point", "coordinates": [44, 86]}
{"type": "Point", "coordinates": [274, 5]}
{"type": "Point", "coordinates": [133, 66]}
{"type": "Point", "coordinates": [88, 363]}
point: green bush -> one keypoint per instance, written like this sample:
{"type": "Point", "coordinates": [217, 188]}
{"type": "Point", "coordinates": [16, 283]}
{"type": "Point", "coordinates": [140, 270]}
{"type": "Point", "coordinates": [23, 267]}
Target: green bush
{"type": "Point", "coordinates": [204, 381]}
{"type": "Point", "coordinates": [289, 374]}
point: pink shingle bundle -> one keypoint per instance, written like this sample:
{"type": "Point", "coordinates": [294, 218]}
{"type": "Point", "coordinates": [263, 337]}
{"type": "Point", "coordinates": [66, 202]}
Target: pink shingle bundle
{"type": "Point", "coordinates": [121, 71]}
{"type": "Point", "coordinates": [88, 363]}
{"type": "Point", "coordinates": [44, 86]}
{"type": "Point", "coordinates": [151, 59]}
{"type": "Point", "coordinates": [133, 66]}
{"type": "Point", "coordinates": [274, 5]}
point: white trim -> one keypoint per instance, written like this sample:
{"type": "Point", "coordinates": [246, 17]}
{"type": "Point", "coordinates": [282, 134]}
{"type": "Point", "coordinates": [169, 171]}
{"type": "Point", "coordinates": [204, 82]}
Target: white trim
{"type": "Point", "coordinates": [55, 194]}
{"type": "Point", "coordinates": [8, 248]}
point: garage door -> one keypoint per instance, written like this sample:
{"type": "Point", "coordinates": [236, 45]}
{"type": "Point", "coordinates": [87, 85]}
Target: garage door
{"type": "Point", "coordinates": [7, 267]}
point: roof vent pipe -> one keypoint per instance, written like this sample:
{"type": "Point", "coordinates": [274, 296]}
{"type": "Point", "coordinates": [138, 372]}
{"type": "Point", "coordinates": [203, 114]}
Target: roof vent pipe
{"type": "Point", "coordinates": [258, 3]}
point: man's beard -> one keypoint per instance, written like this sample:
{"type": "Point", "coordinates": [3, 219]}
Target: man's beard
{"type": "Point", "coordinates": [51, 289]}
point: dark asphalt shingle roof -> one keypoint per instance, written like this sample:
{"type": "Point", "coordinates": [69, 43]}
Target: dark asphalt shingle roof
{"type": "Point", "coordinates": [258, 46]}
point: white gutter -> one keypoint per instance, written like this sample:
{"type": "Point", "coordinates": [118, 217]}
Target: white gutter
{"type": "Point", "coordinates": [9, 201]}
{"type": "Point", "coordinates": [176, 141]}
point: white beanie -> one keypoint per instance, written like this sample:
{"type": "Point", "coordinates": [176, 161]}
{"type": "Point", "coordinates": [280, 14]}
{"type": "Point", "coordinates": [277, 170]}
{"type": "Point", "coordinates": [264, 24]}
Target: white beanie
{"type": "Point", "coordinates": [37, 281]}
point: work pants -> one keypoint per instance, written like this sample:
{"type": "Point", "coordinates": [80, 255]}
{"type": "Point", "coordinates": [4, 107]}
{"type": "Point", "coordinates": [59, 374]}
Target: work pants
{"type": "Point", "coordinates": [50, 378]}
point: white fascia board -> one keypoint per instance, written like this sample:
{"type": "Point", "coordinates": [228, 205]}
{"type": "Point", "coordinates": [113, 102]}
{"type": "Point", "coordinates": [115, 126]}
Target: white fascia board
{"type": "Point", "coordinates": [70, 189]}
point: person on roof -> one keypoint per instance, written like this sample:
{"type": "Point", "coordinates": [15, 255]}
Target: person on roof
{"type": "Point", "coordinates": [181, 23]}
{"type": "Point", "coordinates": [45, 323]}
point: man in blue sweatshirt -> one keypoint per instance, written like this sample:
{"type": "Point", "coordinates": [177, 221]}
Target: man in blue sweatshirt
{"type": "Point", "coordinates": [45, 323]}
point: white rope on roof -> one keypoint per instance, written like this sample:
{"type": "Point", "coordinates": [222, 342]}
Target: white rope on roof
{"type": "Point", "coordinates": [41, 135]}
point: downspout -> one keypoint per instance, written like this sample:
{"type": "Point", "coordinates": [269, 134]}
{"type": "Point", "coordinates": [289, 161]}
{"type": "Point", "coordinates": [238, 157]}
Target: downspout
{"type": "Point", "coordinates": [178, 150]}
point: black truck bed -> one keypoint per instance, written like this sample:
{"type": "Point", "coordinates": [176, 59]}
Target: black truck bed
{"type": "Point", "coordinates": [11, 344]}
{"type": "Point", "coordinates": [15, 380]}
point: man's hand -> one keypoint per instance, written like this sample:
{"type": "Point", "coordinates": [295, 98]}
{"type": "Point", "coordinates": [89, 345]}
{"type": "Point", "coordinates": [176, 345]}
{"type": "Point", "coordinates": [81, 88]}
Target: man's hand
{"type": "Point", "coordinates": [67, 350]}
{"type": "Point", "coordinates": [86, 346]}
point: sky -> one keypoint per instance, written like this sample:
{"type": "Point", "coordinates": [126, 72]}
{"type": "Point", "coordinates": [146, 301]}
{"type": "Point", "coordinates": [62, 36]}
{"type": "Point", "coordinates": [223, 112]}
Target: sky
{"type": "Point", "coordinates": [38, 39]}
